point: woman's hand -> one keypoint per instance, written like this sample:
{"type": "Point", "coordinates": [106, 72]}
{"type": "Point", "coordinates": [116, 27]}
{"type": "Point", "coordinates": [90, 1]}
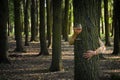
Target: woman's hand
{"type": "Point", "coordinates": [77, 31]}
{"type": "Point", "coordinates": [89, 54]}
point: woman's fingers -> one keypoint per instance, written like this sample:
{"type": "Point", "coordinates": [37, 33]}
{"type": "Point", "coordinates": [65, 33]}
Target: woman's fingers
{"type": "Point", "coordinates": [89, 51]}
{"type": "Point", "coordinates": [87, 55]}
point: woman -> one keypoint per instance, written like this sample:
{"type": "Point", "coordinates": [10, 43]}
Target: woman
{"type": "Point", "coordinates": [90, 53]}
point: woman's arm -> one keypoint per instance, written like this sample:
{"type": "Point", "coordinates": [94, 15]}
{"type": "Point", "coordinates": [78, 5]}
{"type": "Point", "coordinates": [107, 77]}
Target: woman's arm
{"type": "Point", "coordinates": [72, 39]}
{"type": "Point", "coordinates": [91, 53]}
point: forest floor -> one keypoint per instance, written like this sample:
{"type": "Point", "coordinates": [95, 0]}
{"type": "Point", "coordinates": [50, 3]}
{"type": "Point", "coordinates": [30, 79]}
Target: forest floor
{"type": "Point", "coordinates": [28, 66]}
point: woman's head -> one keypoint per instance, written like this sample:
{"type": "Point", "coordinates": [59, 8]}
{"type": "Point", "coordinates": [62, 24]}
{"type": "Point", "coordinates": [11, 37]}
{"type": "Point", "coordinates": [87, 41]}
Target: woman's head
{"type": "Point", "coordinates": [77, 28]}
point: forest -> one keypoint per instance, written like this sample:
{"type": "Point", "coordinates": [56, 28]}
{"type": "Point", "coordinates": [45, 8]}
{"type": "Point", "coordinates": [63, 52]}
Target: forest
{"type": "Point", "coordinates": [35, 34]}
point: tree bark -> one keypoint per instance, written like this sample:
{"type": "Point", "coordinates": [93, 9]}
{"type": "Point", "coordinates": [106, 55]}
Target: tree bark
{"type": "Point", "coordinates": [116, 25]}
{"type": "Point", "coordinates": [56, 64]}
{"type": "Point", "coordinates": [107, 29]}
{"type": "Point", "coordinates": [85, 13]}
{"type": "Point", "coordinates": [26, 21]}
{"type": "Point", "coordinates": [18, 26]}
{"type": "Point", "coordinates": [3, 31]}
{"type": "Point", "coordinates": [66, 20]}
{"type": "Point", "coordinates": [43, 45]}
{"type": "Point", "coordinates": [49, 22]}
{"type": "Point", "coordinates": [33, 21]}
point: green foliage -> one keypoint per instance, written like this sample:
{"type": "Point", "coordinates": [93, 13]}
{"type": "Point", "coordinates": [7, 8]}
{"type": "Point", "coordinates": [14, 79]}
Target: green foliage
{"type": "Point", "coordinates": [110, 10]}
{"type": "Point", "coordinates": [110, 20]}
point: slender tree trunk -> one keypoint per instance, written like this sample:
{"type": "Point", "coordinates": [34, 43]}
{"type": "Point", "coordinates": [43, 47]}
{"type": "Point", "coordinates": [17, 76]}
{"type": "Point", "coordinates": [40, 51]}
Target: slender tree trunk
{"type": "Point", "coordinates": [49, 22]}
{"type": "Point", "coordinates": [26, 21]}
{"type": "Point", "coordinates": [33, 21]}
{"type": "Point", "coordinates": [66, 20]}
{"type": "Point", "coordinates": [107, 39]}
{"type": "Point", "coordinates": [3, 31]}
{"type": "Point", "coordinates": [8, 24]}
{"type": "Point", "coordinates": [70, 16]}
{"type": "Point", "coordinates": [99, 16]}
{"type": "Point", "coordinates": [37, 17]}
{"type": "Point", "coordinates": [102, 25]}
{"type": "Point", "coordinates": [85, 13]}
{"type": "Point", "coordinates": [43, 45]}
{"type": "Point", "coordinates": [22, 5]}
{"type": "Point", "coordinates": [11, 12]}
{"type": "Point", "coordinates": [63, 19]}
{"type": "Point", "coordinates": [18, 27]}
{"type": "Point", "coordinates": [56, 64]}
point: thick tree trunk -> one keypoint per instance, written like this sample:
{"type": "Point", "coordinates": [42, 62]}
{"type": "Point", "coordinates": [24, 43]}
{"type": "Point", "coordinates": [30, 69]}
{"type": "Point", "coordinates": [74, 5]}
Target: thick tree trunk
{"type": "Point", "coordinates": [3, 31]}
{"type": "Point", "coordinates": [116, 25]}
{"type": "Point", "coordinates": [85, 13]}
{"type": "Point", "coordinates": [43, 46]}
{"type": "Point", "coordinates": [56, 64]}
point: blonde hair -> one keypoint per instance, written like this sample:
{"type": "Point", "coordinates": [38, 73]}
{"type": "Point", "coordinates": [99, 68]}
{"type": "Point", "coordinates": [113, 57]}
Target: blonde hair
{"type": "Point", "coordinates": [78, 26]}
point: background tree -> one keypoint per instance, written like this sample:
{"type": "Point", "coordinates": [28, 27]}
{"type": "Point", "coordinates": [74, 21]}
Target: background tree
{"type": "Point", "coordinates": [70, 17]}
{"type": "Point", "coordinates": [56, 64]}
{"type": "Point", "coordinates": [11, 18]}
{"type": "Point", "coordinates": [18, 26]}
{"type": "Point", "coordinates": [33, 20]}
{"type": "Point", "coordinates": [107, 28]}
{"type": "Point", "coordinates": [111, 17]}
{"type": "Point", "coordinates": [66, 20]}
{"type": "Point", "coordinates": [8, 24]}
{"type": "Point", "coordinates": [37, 17]}
{"type": "Point", "coordinates": [49, 21]}
{"type": "Point", "coordinates": [116, 25]}
{"type": "Point", "coordinates": [3, 31]}
{"type": "Point", "coordinates": [85, 13]}
{"type": "Point", "coordinates": [102, 18]}
{"type": "Point", "coordinates": [43, 45]}
{"type": "Point", "coordinates": [26, 21]}
{"type": "Point", "coordinates": [99, 14]}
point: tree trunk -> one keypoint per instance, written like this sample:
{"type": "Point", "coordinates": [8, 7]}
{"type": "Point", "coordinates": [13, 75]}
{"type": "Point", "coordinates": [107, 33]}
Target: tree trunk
{"type": "Point", "coordinates": [116, 25]}
{"type": "Point", "coordinates": [8, 23]}
{"type": "Point", "coordinates": [43, 47]}
{"type": "Point", "coordinates": [37, 17]}
{"type": "Point", "coordinates": [63, 19]}
{"type": "Point", "coordinates": [70, 16]}
{"type": "Point", "coordinates": [66, 20]}
{"type": "Point", "coordinates": [107, 39]}
{"type": "Point", "coordinates": [56, 64]}
{"type": "Point", "coordinates": [18, 27]}
{"type": "Point", "coordinates": [11, 20]}
{"type": "Point", "coordinates": [26, 21]}
{"type": "Point", "coordinates": [3, 31]}
{"type": "Point", "coordinates": [33, 21]}
{"type": "Point", "coordinates": [85, 13]}
{"type": "Point", "coordinates": [49, 22]}
{"type": "Point", "coordinates": [99, 16]}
